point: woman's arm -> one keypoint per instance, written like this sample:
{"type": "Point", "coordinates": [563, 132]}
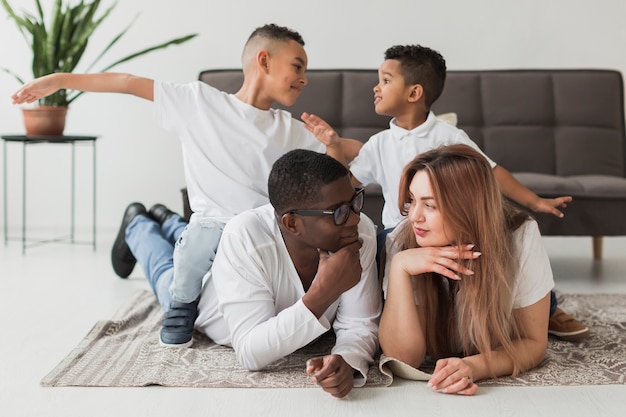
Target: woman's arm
{"type": "Point", "coordinates": [401, 330]}
{"type": "Point", "coordinates": [454, 375]}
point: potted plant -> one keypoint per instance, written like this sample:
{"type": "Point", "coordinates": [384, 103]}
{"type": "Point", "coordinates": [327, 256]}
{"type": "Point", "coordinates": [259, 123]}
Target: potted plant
{"type": "Point", "coordinates": [59, 47]}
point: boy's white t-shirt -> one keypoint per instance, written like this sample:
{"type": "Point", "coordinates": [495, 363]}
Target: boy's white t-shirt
{"type": "Point", "coordinates": [383, 157]}
{"type": "Point", "coordinates": [534, 278]}
{"type": "Point", "coordinates": [228, 146]}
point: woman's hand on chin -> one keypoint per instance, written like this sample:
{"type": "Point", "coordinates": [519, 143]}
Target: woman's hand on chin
{"type": "Point", "coordinates": [441, 260]}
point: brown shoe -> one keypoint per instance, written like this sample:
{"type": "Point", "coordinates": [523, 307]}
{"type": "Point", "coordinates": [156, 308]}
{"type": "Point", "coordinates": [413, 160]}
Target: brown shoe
{"type": "Point", "coordinates": [566, 327]}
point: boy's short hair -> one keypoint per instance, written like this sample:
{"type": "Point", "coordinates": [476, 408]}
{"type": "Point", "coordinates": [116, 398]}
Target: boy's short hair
{"type": "Point", "coordinates": [421, 65]}
{"type": "Point", "coordinates": [275, 32]}
{"type": "Point", "coordinates": [297, 177]}
{"type": "Point", "coordinates": [264, 36]}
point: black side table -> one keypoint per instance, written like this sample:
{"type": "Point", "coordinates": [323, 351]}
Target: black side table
{"type": "Point", "coordinates": [53, 140]}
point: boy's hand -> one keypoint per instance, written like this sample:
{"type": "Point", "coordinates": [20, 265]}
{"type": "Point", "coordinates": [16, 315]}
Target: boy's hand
{"type": "Point", "coordinates": [36, 89]}
{"type": "Point", "coordinates": [549, 205]}
{"type": "Point", "coordinates": [332, 373]}
{"type": "Point", "coordinates": [322, 130]}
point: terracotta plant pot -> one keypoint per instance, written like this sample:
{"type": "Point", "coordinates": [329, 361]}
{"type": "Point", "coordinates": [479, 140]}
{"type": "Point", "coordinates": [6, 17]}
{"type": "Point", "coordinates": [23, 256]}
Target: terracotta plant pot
{"type": "Point", "coordinates": [44, 121]}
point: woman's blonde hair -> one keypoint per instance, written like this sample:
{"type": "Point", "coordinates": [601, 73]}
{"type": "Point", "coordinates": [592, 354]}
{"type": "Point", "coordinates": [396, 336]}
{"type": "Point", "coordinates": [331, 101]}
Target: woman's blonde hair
{"type": "Point", "coordinates": [473, 315]}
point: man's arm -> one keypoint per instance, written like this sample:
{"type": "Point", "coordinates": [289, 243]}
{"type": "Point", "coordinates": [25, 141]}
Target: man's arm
{"type": "Point", "coordinates": [100, 82]}
{"type": "Point", "coordinates": [514, 190]}
{"type": "Point", "coordinates": [355, 325]}
{"type": "Point", "coordinates": [356, 322]}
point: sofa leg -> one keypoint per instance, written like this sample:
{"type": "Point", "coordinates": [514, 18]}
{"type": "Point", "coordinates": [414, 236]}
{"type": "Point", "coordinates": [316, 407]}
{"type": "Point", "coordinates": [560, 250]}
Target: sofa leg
{"type": "Point", "coordinates": [597, 248]}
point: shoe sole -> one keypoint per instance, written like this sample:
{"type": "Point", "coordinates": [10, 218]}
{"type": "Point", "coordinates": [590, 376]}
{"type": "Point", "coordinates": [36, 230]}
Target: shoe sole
{"type": "Point", "coordinates": [175, 345]}
{"type": "Point", "coordinates": [571, 336]}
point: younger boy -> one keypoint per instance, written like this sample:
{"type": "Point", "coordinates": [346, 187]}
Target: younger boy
{"type": "Point", "coordinates": [411, 79]}
{"type": "Point", "coordinates": [229, 143]}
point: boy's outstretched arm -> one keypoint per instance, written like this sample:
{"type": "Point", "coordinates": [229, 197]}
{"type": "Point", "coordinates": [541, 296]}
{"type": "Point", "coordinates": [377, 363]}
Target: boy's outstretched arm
{"type": "Point", "coordinates": [327, 135]}
{"type": "Point", "coordinates": [514, 190]}
{"type": "Point", "coordinates": [100, 82]}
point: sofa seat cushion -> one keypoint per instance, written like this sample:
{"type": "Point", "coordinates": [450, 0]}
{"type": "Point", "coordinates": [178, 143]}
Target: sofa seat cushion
{"type": "Point", "coordinates": [578, 186]}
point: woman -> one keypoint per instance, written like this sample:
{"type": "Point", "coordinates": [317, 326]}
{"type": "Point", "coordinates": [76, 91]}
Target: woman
{"type": "Point", "coordinates": [467, 279]}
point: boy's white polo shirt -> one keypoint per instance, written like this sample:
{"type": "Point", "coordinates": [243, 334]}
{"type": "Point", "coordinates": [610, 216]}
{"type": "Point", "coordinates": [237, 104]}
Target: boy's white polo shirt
{"type": "Point", "coordinates": [383, 157]}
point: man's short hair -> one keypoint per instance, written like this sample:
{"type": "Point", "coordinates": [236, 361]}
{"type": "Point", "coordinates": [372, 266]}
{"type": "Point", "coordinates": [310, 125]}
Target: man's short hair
{"type": "Point", "coordinates": [421, 65]}
{"type": "Point", "coordinates": [297, 177]}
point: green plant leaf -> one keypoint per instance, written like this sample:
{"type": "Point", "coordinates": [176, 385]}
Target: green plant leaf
{"type": "Point", "coordinates": [59, 47]}
{"type": "Point", "coordinates": [153, 48]}
{"type": "Point", "coordinates": [14, 75]}
{"type": "Point", "coordinates": [113, 42]}
{"type": "Point", "coordinates": [52, 42]}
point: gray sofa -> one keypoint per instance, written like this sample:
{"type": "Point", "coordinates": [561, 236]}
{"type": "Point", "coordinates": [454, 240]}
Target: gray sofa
{"type": "Point", "coordinates": [560, 132]}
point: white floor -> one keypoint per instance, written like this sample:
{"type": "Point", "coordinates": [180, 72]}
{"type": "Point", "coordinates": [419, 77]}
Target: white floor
{"type": "Point", "coordinates": [54, 294]}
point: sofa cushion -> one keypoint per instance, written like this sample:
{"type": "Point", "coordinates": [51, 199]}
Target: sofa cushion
{"type": "Point", "coordinates": [578, 186]}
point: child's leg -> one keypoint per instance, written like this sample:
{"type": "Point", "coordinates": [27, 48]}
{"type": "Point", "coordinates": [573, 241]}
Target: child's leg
{"type": "Point", "coordinates": [381, 238]}
{"type": "Point", "coordinates": [194, 254]}
{"type": "Point", "coordinates": [154, 254]}
{"type": "Point", "coordinates": [553, 303]}
{"type": "Point", "coordinates": [172, 228]}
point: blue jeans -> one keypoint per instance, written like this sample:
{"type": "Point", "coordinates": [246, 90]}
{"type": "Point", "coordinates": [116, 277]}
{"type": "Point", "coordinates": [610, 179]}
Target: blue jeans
{"type": "Point", "coordinates": [174, 256]}
{"type": "Point", "coordinates": [194, 254]}
{"type": "Point", "coordinates": [381, 238]}
{"type": "Point", "coordinates": [153, 247]}
{"type": "Point", "coordinates": [553, 303]}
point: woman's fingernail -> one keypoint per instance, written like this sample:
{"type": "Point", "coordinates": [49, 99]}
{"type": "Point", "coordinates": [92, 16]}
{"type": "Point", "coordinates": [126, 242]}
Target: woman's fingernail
{"type": "Point", "coordinates": [477, 253]}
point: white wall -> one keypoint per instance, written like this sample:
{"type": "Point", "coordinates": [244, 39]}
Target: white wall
{"type": "Point", "coordinates": [138, 162]}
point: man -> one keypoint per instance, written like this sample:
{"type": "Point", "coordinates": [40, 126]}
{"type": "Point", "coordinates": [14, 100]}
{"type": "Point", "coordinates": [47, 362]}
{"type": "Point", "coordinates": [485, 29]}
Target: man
{"type": "Point", "coordinates": [285, 272]}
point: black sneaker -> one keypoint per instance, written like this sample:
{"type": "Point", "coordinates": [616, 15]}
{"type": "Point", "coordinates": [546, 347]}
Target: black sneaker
{"type": "Point", "coordinates": [178, 322]}
{"type": "Point", "coordinates": [122, 258]}
{"type": "Point", "coordinates": [160, 213]}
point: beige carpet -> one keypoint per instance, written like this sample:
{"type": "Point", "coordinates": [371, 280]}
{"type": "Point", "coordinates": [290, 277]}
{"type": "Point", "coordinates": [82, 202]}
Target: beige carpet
{"type": "Point", "coordinates": [124, 352]}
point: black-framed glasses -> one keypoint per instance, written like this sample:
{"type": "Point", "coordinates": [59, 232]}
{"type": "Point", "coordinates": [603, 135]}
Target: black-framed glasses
{"type": "Point", "coordinates": [341, 213]}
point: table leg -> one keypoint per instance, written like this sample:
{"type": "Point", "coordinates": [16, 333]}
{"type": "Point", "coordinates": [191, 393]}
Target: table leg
{"type": "Point", "coordinates": [94, 195]}
{"type": "Point", "coordinates": [73, 198]}
{"type": "Point", "coordinates": [6, 216]}
{"type": "Point", "coordinates": [24, 198]}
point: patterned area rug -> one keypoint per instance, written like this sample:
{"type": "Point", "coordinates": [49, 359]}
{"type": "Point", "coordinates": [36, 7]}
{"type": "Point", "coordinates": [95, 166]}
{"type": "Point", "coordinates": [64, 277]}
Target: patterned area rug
{"type": "Point", "coordinates": [124, 352]}
{"type": "Point", "coordinates": [598, 360]}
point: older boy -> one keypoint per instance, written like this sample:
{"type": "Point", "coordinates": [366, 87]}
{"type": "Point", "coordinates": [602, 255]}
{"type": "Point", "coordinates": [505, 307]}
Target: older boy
{"type": "Point", "coordinates": [229, 143]}
{"type": "Point", "coordinates": [286, 272]}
